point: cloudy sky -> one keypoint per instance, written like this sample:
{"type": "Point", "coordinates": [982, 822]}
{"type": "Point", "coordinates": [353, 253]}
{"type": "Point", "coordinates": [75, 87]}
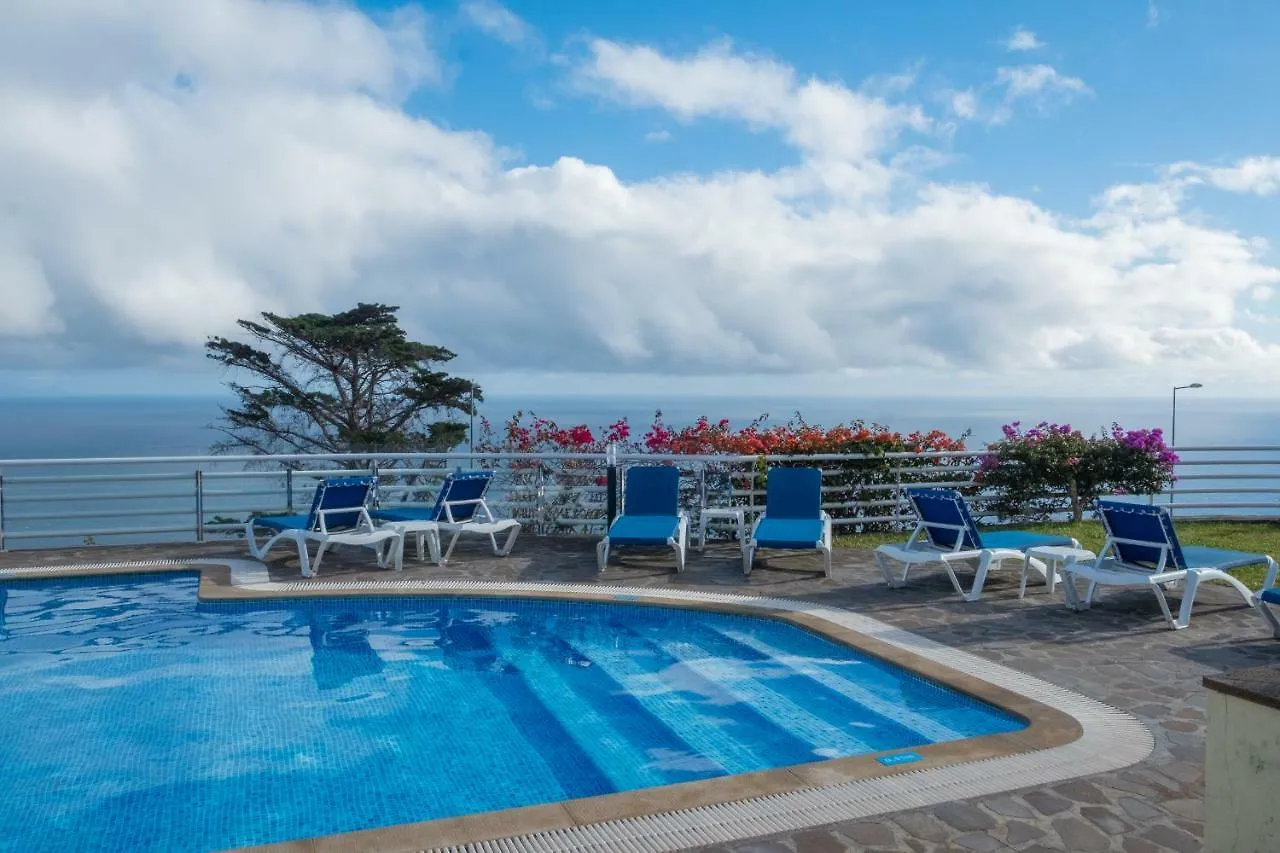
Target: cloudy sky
{"type": "Point", "coordinates": [933, 197]}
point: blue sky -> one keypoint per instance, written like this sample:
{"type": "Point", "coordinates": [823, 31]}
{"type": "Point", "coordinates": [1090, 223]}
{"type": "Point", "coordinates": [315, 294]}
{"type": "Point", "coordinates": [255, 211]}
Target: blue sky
{"type": "Point", "coordinates": [1195, 86]}
{"type": "Point", "coordinates": [825, 197]}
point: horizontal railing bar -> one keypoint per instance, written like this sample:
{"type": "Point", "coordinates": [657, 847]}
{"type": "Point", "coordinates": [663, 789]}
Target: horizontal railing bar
{"type": "Point", "coordinates": [1182, 462]}
{"type": "Point", "coordinates": [100, 496]}
{"type": "Point", "coordinates": [239, 493]}
{"type": "Point", "coordinates": [95, 514]}
{"type": "Point", "coordinates": [1228, 476]}
{"type": "Point", "coordinates": [98, 478]}
{"type": "Point", "coordinates": [1224, 490]}
{"type": "Point", "coordinates": [69, 534]}
{"type": "Point", "coordinates": [1227, 448]}
{"type": "Point", "coordinates": [1219, 504]}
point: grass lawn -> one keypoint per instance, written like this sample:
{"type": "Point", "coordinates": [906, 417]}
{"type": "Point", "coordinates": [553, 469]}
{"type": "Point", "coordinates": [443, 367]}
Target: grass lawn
{"type": "Point", "coordinates": [1256, 537]}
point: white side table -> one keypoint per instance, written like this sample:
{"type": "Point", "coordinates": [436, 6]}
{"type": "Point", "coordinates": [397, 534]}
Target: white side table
{"type": "Point", "coordinates": [422, 531]}
{"type": "Point", "coordinates": [1056, 558]}
{"type": "Point", "coordinates": [736, 514]}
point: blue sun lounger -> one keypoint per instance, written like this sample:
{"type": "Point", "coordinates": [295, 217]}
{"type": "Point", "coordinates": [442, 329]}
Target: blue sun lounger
{"type": "Point", "coordinates": [651, 514]}
{"type": "Point", "coordinates": [460, 508]}
{"type": "Point", "coordinates": [1142, 549]}
{"type": "Point", "coordinates": [338, 516]}
{"type": "Point", "coordinates": [945, 533]}
{"type": "Point", "coordinates": [793, 517]}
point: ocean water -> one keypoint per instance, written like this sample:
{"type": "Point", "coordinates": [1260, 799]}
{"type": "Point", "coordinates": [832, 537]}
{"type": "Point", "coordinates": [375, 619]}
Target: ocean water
{"type": "Point", "coordinates": [90, 427]}
{"type": "Point", "coordinates": [206, 727]}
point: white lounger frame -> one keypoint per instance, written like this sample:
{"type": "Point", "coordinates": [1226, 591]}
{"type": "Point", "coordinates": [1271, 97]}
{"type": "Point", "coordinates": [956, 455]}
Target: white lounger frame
{"type": "Point", "coordinates": [1111, 571]}
{"type": "Point", "coordinates": [918, 549]}
{"type": "Point", "coordinates": [483, 522]}
{"type": "Point", "coordinates": [364, 534]}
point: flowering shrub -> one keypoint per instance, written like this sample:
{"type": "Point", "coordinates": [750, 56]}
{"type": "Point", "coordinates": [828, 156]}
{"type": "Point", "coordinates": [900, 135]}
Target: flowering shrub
{"type": "Point", "coordinates": [1032, 472]}
{"type": "Point", "coordinates": [872, 478]}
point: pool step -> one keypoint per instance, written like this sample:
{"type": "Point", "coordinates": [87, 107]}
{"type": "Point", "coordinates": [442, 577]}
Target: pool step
{"type": "Point", "coordinates": [627, 766]}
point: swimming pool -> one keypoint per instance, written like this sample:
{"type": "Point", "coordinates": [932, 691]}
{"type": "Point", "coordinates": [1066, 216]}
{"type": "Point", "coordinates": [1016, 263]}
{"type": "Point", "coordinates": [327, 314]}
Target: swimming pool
{"type": "Point", "coordinates": [138, 719]}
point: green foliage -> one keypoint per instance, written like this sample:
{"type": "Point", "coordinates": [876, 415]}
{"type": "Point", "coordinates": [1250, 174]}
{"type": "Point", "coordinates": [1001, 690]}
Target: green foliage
{"type": "Point", "coordinates": [338, 383]}
{"type": "Point", "coordinates": [1031, 473]}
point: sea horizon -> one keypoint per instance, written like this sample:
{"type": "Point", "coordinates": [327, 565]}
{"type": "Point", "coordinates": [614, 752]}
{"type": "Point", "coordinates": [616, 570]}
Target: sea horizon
{"type": "Point", "coordinates": [142, 424]}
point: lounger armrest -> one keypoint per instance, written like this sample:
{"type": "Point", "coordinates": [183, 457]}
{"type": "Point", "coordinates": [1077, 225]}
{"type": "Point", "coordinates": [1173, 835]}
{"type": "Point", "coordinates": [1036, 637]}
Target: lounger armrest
{"type": "Point", "coordinates": [365, 520]}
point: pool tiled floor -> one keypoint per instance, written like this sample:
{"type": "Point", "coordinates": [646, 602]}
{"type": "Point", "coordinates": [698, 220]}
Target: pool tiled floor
{"type": "Point", "coordinates": [1119, 653]}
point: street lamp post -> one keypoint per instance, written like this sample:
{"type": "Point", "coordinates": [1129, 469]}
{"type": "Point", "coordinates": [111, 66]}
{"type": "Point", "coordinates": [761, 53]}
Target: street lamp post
{"type": "Point", "coordinates": [1173, 420]}
{"type": "Point", "coordinates": [1173, 427]}
{"type": "Point", "coordinates": [471, 437]}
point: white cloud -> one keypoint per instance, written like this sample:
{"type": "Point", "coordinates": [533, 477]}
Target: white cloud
{"type": "Point", "coordinates": [658, 136]}
{"type": "Point", "coordinates": [1022, 40]}
{"type": "Point", "coordinates": [963, 105]}
{"type": "Point", "coordinates": [499, 22]}
{"type": "Point", "coordinates": [143, 213]}
{"type": "Point", "coordinates": [824, 119]}
{"type": "Point", "coordinates": [1153, 15]}
{"type": "Point", "coordinates": [1037, 81]}
{"type": "Point", "coordinates": [1254, 175]}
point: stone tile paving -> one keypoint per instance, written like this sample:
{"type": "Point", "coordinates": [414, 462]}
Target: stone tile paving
{"type": "Point", "coordinates": [1120, 653]}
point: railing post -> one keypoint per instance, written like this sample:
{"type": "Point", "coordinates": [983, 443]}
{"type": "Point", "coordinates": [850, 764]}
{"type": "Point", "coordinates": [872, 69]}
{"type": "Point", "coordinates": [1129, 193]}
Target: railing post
{"type": "Point", "coordinates": [611, 484]}
{"type": "Point", "coordinates": [539, 491]}
{"type": "Point", "coordinates": [288, 490]}
{"type": "Point", "coordinates": [199, 505]}
{"type": "Point", "coordinates": [2, 547]}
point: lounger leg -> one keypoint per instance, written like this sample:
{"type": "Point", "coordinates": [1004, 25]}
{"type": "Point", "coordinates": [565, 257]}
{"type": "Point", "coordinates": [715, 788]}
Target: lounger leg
{"type": "Point", "coordinates": [251, 538]}
{"type": "Point", "coordinates": [748, 557]}
{"type": "Point", "coordinates": [1218, 574]}
{"type": "Point", "coordinates": [259, 552]}
{"type": "Point", "coordinates": [1022, 579]}
{"type": "Point", "coordinates": [1070, 592]}
{"type": "Point", "coordinates": [453, 540]}
{"type": "Point", "coordinates": [507, 545]}
{"type": "Point", "coordinates": [602, 554]}
{"type": "Point", "coordinates": [702, 532]}
{"type": "Point", "coordinates": [826, 559]}
{"type": "Point", "coordinates": [398, 544]}
{"type": "Point", "coordinates": [681, 543]}
{"type": "Point", "coordinates": [391, 552]}
{"type": "Point", "coordinates": [304, 560]}
{"type": "Point", "coordinates": [1184, 613]}
{"type": "Point", "coordinates": [955, 581]}
{"type": "Point", "coordinates": [883, 565]}
{"type": "Point", "coordinates": [1270, 579]}
{"type": "Point", "coordinates": [315, 564]}
{"type": "Point", "coordinates": [1272, 620]}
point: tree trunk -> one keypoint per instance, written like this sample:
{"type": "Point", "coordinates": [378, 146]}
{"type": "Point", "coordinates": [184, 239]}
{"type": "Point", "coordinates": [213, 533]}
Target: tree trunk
{"type": "Point", "coordinates": [1077, 511]}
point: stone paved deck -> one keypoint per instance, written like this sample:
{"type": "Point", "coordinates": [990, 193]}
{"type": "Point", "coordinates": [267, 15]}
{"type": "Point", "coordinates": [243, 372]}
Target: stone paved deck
{"type": "Point", "coordinates": [1120, 653]}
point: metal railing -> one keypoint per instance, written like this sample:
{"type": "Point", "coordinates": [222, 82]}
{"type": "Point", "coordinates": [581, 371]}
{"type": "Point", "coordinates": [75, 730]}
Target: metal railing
{"type": "Point", "coordinates": [52, 502]}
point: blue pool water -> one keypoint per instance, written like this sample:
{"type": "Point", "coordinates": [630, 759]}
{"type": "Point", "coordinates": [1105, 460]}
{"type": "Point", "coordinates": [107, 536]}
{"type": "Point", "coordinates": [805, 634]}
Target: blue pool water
{"type": "Point", "coordinates": [136, 719]}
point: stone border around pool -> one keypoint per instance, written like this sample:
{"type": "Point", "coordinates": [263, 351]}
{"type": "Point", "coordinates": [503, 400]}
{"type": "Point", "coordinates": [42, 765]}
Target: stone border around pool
{"type": "Point", "coordinates": [1068, 735]}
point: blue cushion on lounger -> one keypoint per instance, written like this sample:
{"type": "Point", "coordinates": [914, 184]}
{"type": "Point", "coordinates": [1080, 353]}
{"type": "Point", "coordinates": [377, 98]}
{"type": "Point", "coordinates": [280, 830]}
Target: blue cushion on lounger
{"type": "Point", "coordinates": [1271, 596]}
{"type": "Point", "coordinates": [1021, 540]}
{"type": "Point", "coordinates": [1202, 557]}
{"type": "Point", "coordinates": [281, 522]}
{"type": "Point", "coordinates": [405, 513]}
{"type": "Point", "coordinates": [789, 533]}
{"type": "Point", "coordinates": [643, 529]}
